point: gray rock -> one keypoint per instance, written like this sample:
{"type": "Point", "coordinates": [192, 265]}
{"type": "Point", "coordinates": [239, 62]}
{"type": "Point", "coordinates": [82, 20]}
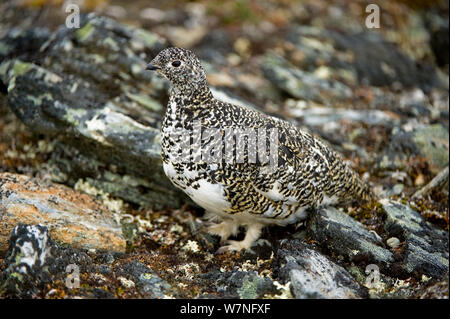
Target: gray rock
{"type": "Point", "coordinates": [365, 55]}
{"type": "Point", "coordinates": [313, 275]}
{"type": "Point", "coordinates": [34, 260]}
{"type": "Point", "coordinates": [301, 84]}
{"type": "Point", "coordinates": [397, 189]}
{"type": "Point", "coordinates": [426, 249]}
{"type": "Point", "coordinates": [27, 261]}
{"type": "Point", "coordinates": [439, 41]}
{"type": "Point", "coordinates": [345, 236]}
{"type": "Point", "coordinates": [429, 142]}
{"type": "Point", "coordinates": [432, 142]}
{"type": "Point", "coordinates": [24, 41]}
{"type": "Point", "coordinates": [240, 284]}
{"type": "Point", "coordinates": [313, 116]}
{"type": "Point", "coordinates": [148, 283]}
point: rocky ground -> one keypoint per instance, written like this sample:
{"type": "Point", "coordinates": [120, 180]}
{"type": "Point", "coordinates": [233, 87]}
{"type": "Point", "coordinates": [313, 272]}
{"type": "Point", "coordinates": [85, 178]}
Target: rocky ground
{"type": "Point", "coordinates": [81, 183]}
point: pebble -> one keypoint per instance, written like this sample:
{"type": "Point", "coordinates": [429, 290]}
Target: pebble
{"type": "Point", "coordinates": [126, 282]}
{"type": "Point", "coordinates": [393, 242]}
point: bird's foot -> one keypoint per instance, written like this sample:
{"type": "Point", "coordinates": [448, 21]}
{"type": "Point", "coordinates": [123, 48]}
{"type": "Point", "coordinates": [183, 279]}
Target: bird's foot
{"type": "Point", "coordinates": [233, 245]}
{"type": "Point", "coordinates": [252, 234]}
{"type": "Point", "coordinates": [224, 230]}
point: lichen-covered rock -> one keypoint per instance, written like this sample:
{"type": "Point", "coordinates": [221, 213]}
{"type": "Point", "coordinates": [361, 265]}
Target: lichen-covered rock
{"type": "Point", "coordinates": [364, 56]}
{"type": "Point", "coordinates": [72, 218]}
{"type": "Point", "coordinates": [27, 261]}
{"type": "Point", "coordinates": [301, 84]}
{"type": "Point", "coordinates": [314, 116]}
{"type": "Point", "coordinates": [426, 246]}
{"type": "Point", "coordinates": [345, 236]}
{"type": "Point", "coordinates": [34, 261]}
{"type": "Point", "coordinates": [95, 95]}
{"type": "Point", "coordinates": [312, 275]}
{"type": "Point", "coordinates": [27, 42]}
{"type": "Point", "coordinates": [430, 142]}
{"type": "Point", "coordinates": [147, 282]}
{"type": "Point", "coordinates": [240, 284]}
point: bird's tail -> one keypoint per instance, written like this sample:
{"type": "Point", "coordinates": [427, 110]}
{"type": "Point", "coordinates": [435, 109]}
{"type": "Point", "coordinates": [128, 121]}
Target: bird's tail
{"type": "Point", "coordinates": [351, 186]}
{"type": "Point", "coordinates": [360, 190]}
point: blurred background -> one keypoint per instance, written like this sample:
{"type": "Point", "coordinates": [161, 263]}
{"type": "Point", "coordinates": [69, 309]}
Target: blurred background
{"type": "Point", "coordinates": [417, 27]}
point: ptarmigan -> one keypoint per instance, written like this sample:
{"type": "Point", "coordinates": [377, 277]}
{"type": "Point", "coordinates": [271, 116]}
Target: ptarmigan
{"type": "Point", "coordinates": [244, 167]}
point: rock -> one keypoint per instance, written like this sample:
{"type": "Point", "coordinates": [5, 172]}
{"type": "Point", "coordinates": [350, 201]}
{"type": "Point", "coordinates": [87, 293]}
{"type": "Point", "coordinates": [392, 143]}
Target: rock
{"type": "Point", "coordinates": [301, 84]}
{"type": "Point", "coordinates": [430, 142]}
{"type": "Point", "coordinates": [397, 189]}
{"type": "Point", "coordinates": [413, 103]}
{"type": "Point", "coordinates": [34, 260]}
{"type": "Point", "coordinates": [156, 16]}
{"type": "Point", "coordinates": [437, 291]}
{"type": "Point", "coordinates": [72, 218]}
{"type": "Point", "coordinates": [433, 143]}
{"type": "Point", "coordinates": [314, 116]}
{"type": "Point", "coordinates": [28, 255]}
{"type": "Point", "coordinates": [393, 242]}
{"type": "Point", "coordinates": [440, 45]}
{"type": "Point", "coordinates": [426, 248]}
{"type": "Point", "coordinates": [439, 41]}
{"type": "Point", "coordinates": [147, 282]}
{"type": "Point", "coordinates": [240, 284]}
{"type": "Point", "coordinates": [126, 283]}
{"type": "Point", "coordinates": [345, 236]}
{"type": "Point", "coordinates": [23, 41]}
{"type": "Point", "coordinates": [214, 47]}
{"type": "Point", "coordinates": [313, 275]}
{"type": "Point", "coordinates": [367, 55]}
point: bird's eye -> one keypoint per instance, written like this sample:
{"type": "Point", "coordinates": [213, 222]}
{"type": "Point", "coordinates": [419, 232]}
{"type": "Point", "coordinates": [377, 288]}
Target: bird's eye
{"type": "Point", "coordinates": [176, 64]}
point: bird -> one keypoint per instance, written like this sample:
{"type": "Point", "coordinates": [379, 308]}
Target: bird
{"type": "Point", "coordinates": [247, 169]}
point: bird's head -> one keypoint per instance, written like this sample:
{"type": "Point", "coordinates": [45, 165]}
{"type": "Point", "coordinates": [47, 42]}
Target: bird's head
{"type": "Point", "coordinates": [181, 67]}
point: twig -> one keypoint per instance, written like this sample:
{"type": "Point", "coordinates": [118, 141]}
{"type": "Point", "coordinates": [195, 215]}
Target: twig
{"type": "Point", "coordinates": [438, 181]}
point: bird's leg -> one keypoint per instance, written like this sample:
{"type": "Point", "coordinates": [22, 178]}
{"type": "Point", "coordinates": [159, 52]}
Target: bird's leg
{"type": "Point", "coordinates": [252, 234]}
{"type": "Point", "coordinates": [225, 229]}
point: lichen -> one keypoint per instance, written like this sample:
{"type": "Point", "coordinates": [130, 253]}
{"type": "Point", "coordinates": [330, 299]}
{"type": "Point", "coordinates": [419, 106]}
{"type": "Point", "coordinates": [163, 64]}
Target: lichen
{"type": "Point", "coordinates": [83, 33]}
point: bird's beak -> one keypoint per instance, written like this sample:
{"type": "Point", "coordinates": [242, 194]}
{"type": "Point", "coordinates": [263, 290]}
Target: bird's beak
{"type": "Point", "coordinates": [151, 67]}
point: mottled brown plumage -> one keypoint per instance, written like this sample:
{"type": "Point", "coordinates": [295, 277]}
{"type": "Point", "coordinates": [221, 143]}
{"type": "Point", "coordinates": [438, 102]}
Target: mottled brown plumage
{"type": "Point", "coordinates": [247, 190]}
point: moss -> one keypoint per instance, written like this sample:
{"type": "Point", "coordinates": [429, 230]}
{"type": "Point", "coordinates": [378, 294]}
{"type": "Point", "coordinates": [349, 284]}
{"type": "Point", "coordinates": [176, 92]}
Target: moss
{"type": "Point", "coordinates": [17, 275]}
{"type": "Point", "coordinates": [20, 67]}
{"type": "Point", "coordinates": [83, 33]}
{"type": "Point", "coordinates": [248, 289]}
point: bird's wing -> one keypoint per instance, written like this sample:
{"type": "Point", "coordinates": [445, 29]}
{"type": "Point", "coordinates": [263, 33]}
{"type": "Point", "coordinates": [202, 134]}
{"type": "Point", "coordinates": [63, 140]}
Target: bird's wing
{"type": "Point", "coordinates": [300, 175]}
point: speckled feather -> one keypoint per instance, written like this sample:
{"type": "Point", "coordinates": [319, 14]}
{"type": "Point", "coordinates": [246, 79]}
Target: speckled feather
{"type": "Point", "coordinates": [309, 173]}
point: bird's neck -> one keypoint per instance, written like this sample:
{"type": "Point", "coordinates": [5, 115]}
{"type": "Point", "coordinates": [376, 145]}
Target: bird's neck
{"type": "Point", "coordinates": [186, 104]}
{"type": "Point", "coordinates": [191, 95]}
